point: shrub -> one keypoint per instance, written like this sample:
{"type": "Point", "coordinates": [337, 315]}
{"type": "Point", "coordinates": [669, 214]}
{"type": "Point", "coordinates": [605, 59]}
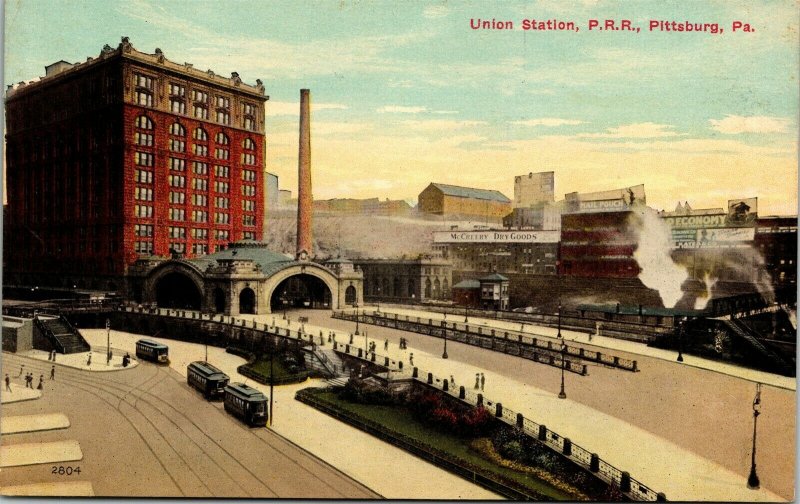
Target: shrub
{"type": "Point", "coordinates": [476, 422]}
{"type": "Point", "coordinates": [444, 418]}
{"type": "Point", "coordinates": [513, 450]}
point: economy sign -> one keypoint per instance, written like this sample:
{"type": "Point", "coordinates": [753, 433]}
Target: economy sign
{"type": "Point", "coordinates": [728, 237]}
{"type": "Point", "coordinates": [496, 236]}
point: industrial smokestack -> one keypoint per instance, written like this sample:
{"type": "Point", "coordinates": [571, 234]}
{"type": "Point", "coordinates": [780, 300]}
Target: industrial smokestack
{"type": "Point", "coordinates": [304, 200]}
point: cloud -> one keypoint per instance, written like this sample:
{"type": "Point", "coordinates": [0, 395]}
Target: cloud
{"type": "Point", "coordinates": [277, 108]}
{"type": "Point", "coordinates": [734, 125]}
{"type": "Point", "coordinates": [435, 11]}
{"type": "Point", "coordinates": [549, 122]}
{"type": "Point", "coordinates": [440, 124]}
{"type": "Point", "coordinates": [637, 130]}
{"type": "Point", "coordinates": [399, 109]}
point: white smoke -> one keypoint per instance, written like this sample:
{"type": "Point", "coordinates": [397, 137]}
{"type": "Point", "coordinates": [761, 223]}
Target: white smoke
{"type": "Point", "coordinates": [702, 299]}
{"type": "Point", "coordinates": [658, 270]}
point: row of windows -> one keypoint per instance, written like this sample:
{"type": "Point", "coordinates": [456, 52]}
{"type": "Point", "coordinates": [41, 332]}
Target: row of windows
{"type": "Point", "coordinates": [248, 175]}
{"type": "Point", "coordinates": [143, 211]}
{"type": "Point", "coordinates": [143, 230]}
{"type": "Point", "coordinates": [143, 247]}
{"type": "Point", "coordinates": [248, 190]}
{"type": "Point", "coordinates": [143, 194]}
{"type": "Point", "coordinates": [145, 87]}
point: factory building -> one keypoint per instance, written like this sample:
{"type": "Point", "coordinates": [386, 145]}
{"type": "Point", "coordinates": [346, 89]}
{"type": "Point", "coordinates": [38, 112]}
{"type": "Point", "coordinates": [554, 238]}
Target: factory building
{"type": "Point", "coordinates": [457, 202]}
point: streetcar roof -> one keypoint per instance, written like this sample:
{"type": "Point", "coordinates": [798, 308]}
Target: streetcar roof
{"type": "Point", "coordinates": [207, 370]}
{"type": "Point", "coordinates": [246, 392]}
{"type": "Point", "coordinates": [147, 342]}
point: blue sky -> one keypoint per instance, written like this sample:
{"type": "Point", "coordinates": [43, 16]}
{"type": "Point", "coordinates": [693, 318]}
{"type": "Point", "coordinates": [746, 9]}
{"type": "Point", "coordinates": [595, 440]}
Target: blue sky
{"type": "Point", "coordinates": [406, 93]}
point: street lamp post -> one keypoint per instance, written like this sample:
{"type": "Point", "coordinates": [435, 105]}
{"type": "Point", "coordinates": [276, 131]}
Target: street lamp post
{"type": "Point", "coordinates": [752, 480]}
{"type": "Point", "coordinates": [356, 305]}
{"type": "Point", "coordinates": [559, 321]}
{"type": "Point", "coordinates": [108, 341]}
{"type": "Point", "coordinates": [444, 334]}
{"type": "Point", "coordinates": [562, 394]}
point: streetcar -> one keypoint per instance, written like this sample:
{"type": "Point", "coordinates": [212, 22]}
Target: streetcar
{"type": "Point", "coordinates": [152, 351]}
{"type": "Point", "coordinates": [207, 379]}
{"type": "Point", "coordinates": [247, 403]}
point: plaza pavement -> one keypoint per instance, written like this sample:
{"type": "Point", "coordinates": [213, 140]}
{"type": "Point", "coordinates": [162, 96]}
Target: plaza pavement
{"type": "Point", "coordinates": [680, 473]}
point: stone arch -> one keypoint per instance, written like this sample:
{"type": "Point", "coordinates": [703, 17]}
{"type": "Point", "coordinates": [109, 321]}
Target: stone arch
{"type": "Point", "coordinates": [350, 295]}
{"type": "Point", "coordinates": [247, 301]}
{"type": "Point", "coordinates": [296, 269]}
{"type": "Point", "coordinates": [175, 271]}
{"type": "Point", "coordinates": [428, 287]}
{"type": "Point", "coordinates": [437, 289]}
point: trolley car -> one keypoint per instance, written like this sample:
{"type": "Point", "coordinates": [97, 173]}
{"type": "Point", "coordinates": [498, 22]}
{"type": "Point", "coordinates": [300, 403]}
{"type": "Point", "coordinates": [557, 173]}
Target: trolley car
{"type": "Point", "coordinates": [152, 351]}
{"type": "Point", "coordinates": [207, 379]}
{"type": "Point", "coordinates": [247, 403]}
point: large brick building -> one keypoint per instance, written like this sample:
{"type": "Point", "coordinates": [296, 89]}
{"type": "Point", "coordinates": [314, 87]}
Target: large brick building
{"type": "Point", "coordinates": [128, 155]}
{"type": "Point", "coordinates": [464, 202]}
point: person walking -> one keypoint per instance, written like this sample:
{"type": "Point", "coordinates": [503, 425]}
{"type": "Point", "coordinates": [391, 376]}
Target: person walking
{"type": "Point", "coordinates": [21, 369]}
{"type": "Point", "coordinates": [89, 359]}
{"type": "Point", "coordinates": [452, 382]}
{"type": "Point", "coordinates": [54, 355]}
{"type": "Point", "coordinates": [477, 381]}
{"type": "Point", "coordinates": [52, 372]}
{"type": "Point", "coordinates": [41, 383]}
{"type": "Point", "coordinates": [8, 383]}
{"type": "Point", "coordinates": [483, 381]}
{"type": "Point", "coordinates": [411, 358]}
{"type": "Point", "coordinates": [386, 345]}
{"type": "Point", "coordinates": [29, 380]}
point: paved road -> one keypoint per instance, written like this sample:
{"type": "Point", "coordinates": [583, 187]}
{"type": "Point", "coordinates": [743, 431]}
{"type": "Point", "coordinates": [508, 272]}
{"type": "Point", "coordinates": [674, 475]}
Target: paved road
{"type": "Point", "coordinates": [143, 432]}
{"type": "Point", "coordinates": [705, 412]}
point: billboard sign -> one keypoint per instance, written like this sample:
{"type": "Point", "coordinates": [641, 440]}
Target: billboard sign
{"type": "Point", "coordinates": [496, 236]}
{"type": "Point", "coordinates": [713, 238]}
{"type": "Point", "coordinates": [742, 212]}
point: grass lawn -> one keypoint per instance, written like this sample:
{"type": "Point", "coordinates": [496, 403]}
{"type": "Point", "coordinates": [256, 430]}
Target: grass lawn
{"type": "Point", "coordinates": [262, 366]}
{"type": "Point", "coordinates": [402, 421]}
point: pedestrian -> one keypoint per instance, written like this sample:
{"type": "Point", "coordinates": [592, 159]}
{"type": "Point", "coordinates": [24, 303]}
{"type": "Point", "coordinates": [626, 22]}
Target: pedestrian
{"type": "Point", "coordinates": [477, 381]}
{"type": "Point", "coordinates": [386, 345]}
{"type": "Point", "coordinates": [8, 383]}
{"type": "Point", "coordinates": [483, 381]}
{"type": "Point", "coordinates": [41, 382]}
{"type": "Point", "coordinates": [89, 359]}
{"type": "Point", "coordinates": [54, 355]}
{"type": "Point", "coordinates": [29, 380]}
{"type": "Point", "coordinates": [452, 381]}
{"type": "Point", "coordinates": [50, 355]}
{"type": "Point", "coordinates": [21, 369]}
{"type": "Point", "coordinates": [351, 338]}
{"type": "Point", "coordinates": [411, 358]}
{"type": "Point", "coordinates": [334, 336]}
{"type": "Point", "coordinates": [52, 372]}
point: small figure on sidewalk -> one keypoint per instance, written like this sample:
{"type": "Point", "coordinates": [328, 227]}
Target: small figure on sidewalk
{"type": "Point", "coordinates": [21, 369]}
{"type": "Point", "coordinates": [321, 340]}
{"type": "Point", "coordinates": [89, 359]}
{"type": "Point", "coordinates": [351, 338]}
{"type": "Point", "coordinates": [41, 383]}
{"type": "Point", "coordinates": [483, 381]}
{"type": "Point", "coordinates": [333, 334]}
{"type": "Point", "coordinates": [411, 358]}
{"type": "Point", "coordinates": [477, 381]}
{"type": "Point", "coordinates": [110, 356]}
{"type": "Point", "coordinates": [8, 383]}
{"type": "Point", "coordinates": [29, 380]}
{"type": "Point", "coordinates": [52, 372]}
{"type": "Point", "coordinates": [386, 345]}
{"type": "Point", "coordinates": [126, 359]}
{"type": "Point", "coordinates": [452, 381]}
{"type": "Point", "coordinates": [54, 355]}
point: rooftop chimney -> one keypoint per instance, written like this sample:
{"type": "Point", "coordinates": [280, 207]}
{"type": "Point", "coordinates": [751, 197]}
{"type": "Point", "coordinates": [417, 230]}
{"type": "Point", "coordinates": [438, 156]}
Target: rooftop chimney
{"type": "Point", "coordinates": [304, 200]}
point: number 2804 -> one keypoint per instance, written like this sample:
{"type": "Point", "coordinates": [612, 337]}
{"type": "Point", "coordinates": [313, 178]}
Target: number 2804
{"type": "Point", "coordinates": [65, 470]}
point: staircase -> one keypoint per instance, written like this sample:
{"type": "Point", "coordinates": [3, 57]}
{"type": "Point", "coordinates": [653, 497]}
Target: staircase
{"type": "Point", "coordinates": [64, 338]}
{"type": "Point", "coordinates": [326, 361]}
{"type": "Point", "coordinates": [741, 330]}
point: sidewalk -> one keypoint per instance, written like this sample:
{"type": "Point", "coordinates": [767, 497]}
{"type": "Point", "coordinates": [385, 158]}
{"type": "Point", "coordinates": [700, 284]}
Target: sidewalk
{"type": "Point", "coordinates": [81, 360]}
{"type": "Point", "coordinates": [606, 342]}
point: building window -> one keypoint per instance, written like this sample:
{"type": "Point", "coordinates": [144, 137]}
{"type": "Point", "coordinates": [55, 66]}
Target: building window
{"type": "Point", "coordinates": [248, 158]}
{"type": "Point", "coordinates": [199, 96]}
{"type": "Point", "coordinates": [143, 230]}
{"type": "Point", "coordinates": [221, 171]}
{"type": "Point", "coordinates": [144, 139]}
{"type": "Point", "coordinates": [223, 234]}
{"type": "Point", "coordinates": [177, 247]}
{"type": "Point", "coordinates": [199, 216]}
{"type": "Point", "coordinates": [223, 116]}
{"type": "Point", "coordinates": [176, 145]}
{"type": "Point", "coordinates": [221, 187]}
{"type": "Point", "coordinates": [200, 134]}
{"type": "Point", "coordinates": [143, 247]}
{"type": "Point", "coordinates": [177, 90]}
{"type": "Point", "coordinates": [177, 181]}
{"type": "Point", "coordinates": [177, 164]}
{"type": "Point", "coordinates": [143, 211]}
{"type": "Point", "coordinates": [221, 202]}
{"type": "Point", "coordinates": [223, 102]}
{"type": "Point", "coordinates": [248, 144]}
{"type": "Point", "coordinates": [144, 122]}
{"type": "Point", "coordinates": [221, 139]}
{"type": "Point", "coordinates": [200, 150]}
{"type": "Point", "coordinates": [199, 248]}
{"type": "Point", "coordinates": [177, 106]}
{"type": "Point", "coordinates": [248, 220]}
{"type": "Point", "coordinates": [199, 233]}
{"type": "Point", "coordinates": [248, 190]}
{"type": "Point", "coordinates": [144, 176]}
{"type": "Point", "coordinates": [248, 175]}
{"type": "Point", "coordinates": [221, 218]}
{"type": "Point", "coordinates": [200, 184]}
{"type": "Point", "coordinates": [249, 235]}
{"type": "Point", "coordinates": [143, 193]}
{"type": "Point", "coordinates": [177, 129]}
{"type": "Point", "coordinates": [221, 153]}
{"type": "Point", "coordinates": [145, 82]}
{"type": "Point", "coordinates": [200, 112]}
{"type": "Point", "coordinates": [249, 116]}
{"type": "Point", "coordinates": [200, 168]}
{"type": "Point", "coordinates": [143, 159]}
{"type": "Point", "coordinates": [177, 232]}
{"type": "Point", "coordinates": [248, 205]}
{"type": "Point", "coordinates": [199, 199]}
{"type": "Point", "coordinates": [144, 98]}
{"type": "Point", "coordinates": [177, 197]}
{"type": "Point", "coordinates": [177, 214]}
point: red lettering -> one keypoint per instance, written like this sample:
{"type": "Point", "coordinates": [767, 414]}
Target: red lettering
{"type": "Point", "coordinates": [593, 23]}
{"type": "Point", "coordinates": [610, 24]}
{"type": "Point", "coordinates": [737, 25]}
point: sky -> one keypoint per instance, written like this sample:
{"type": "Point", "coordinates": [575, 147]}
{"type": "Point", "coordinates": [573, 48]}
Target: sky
{"type": "Point", "coordinates": [407, 93]}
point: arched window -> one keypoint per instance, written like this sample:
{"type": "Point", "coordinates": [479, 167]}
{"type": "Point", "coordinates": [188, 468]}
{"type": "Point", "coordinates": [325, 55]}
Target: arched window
{"type": "Point", "coordinates": [177, 130]}
{"type": "Point", "coordinates": [200, 134]}
{"type": "Point", "coordinates": [248, 144]}
{"type": "Point", "coordinates": [222, 138]}
{"type": "Point", "coordinates": [144, 122]}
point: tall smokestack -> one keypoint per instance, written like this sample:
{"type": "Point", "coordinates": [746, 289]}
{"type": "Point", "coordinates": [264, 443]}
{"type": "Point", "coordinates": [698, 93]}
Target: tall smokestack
{"type": "Point", "coordinates": [304, 201]}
